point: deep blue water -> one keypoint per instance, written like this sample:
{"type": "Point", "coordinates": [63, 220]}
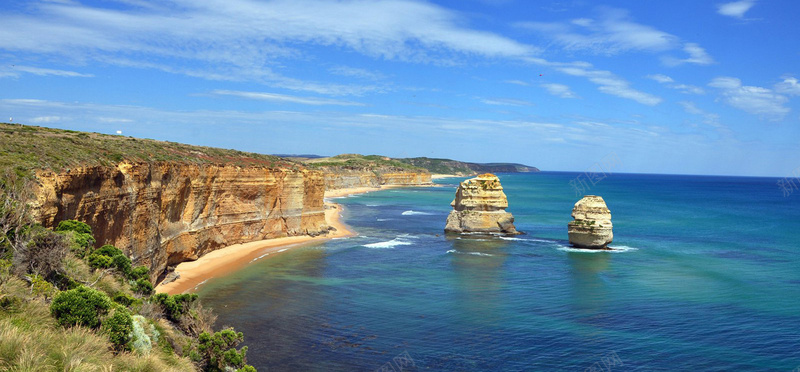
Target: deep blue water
{"type": "Point", "coordinates": [706, 278]}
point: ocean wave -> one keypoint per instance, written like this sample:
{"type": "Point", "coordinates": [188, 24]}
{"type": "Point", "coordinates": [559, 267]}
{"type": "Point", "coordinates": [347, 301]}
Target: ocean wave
{"type": "Point", "coordinates": [371, 205]}
{"type": "Point", "coordinates": [383, 219]}
{"type": "Point", "coordinates": [387, 244]}
{"type": "Point", "coordinates": [414, 213]}
{"type": "Point", "coordinates": [616, 249]}
{"type": "Point", "coordinates": [511, 238]}
{"type": "Point", "coordinates": [453, 251]}
{"type": "Point", "coordinates": [281, 250]}
{"type": "Point", "coordinates": [260, 257]}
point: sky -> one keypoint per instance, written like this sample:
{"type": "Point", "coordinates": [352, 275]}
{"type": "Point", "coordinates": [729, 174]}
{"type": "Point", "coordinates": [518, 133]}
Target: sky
{"type": "Point", "coordinates": [672, 87]}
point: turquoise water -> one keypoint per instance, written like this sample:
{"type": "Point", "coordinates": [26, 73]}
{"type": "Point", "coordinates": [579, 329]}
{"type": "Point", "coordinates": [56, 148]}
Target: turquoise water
{"type": "Point", "coordinates": [706, 278]}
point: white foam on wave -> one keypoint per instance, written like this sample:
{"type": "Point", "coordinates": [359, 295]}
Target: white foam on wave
{"type": "Point", "coordinates": [453, 251]}
{"type": "Point", "coordinates": [415, 213]}
{"type": "Point", "coordinates": [617, 249]}
{"type": "Point", "coordinates": [371, 205]}
{"type": "Point", "coordinates": [387, 244]}
{"type": "Point", "coordinates": [260, 257]}
{"type": "Point", "coordinates": [281, 250]}
{"type": "Point", "coordinates": [383, 219]}
{"type": "Point", "coordinates": [511, 238]}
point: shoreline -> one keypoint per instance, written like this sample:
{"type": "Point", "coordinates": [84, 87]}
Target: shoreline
{"type": "Point", "coordinates": [234, 257]}
{"type": "Point", "coordinates": [438, 176]}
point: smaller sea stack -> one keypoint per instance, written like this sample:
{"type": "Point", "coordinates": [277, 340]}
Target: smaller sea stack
{"type": "Point", "coordinates": [592, 226]}
{"type": "Point", "coordinates": [480, 207]}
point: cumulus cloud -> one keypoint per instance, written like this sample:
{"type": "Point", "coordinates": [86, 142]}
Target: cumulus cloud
{"type": "Point", "coordinates": [559, 90]}
{"type": "Point", "coordinates": [735, 9]}
{"type": "Point", "coordinates": [754, 100]}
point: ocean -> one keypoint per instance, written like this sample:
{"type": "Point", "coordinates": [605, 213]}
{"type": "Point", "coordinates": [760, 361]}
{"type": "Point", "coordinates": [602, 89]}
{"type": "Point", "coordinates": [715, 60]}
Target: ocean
{"type": "Point", "coordinates": [705, 276]}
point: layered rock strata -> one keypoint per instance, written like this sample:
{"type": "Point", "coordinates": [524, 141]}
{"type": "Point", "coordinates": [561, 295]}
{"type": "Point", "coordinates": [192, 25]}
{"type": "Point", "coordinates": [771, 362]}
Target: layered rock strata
{"type": "Point", "coordinates": [344, 178]}
{"type": "Point", "coordinates": [161, 214]}
{"type": "Point", "coordinates": [592, 225]}
{"type": "Point", "coordinates": [479, 207]}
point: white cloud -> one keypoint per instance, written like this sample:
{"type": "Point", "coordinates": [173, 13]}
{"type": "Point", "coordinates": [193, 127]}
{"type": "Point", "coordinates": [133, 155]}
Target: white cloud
{"type": "Point", "coordinates": [735, 9]}
{"type": "Point", "coordinates": [608, 82]}
{"type": "Point", "coordinates": [611, 33]}
{"type": "Point", "coordinates": [517, 82]}
{"type": "Point", "coordinates": [755, 100]}
{"type": "Point", "coordinates": [505, 102]}
{"type": "Point", "coordinates": [14, 71]}
{"type": "Point", "coordinates": [282, 98]}
{"type": "Point", "coordinates": [243, 39]}
{"type": "Point", "coordinates": [709, 119]}
{"type": "Point", "coordinates": [670, 82]}
{"type": "Point", "coordinates": [789, 85]}
{"type": "Point", "coordinates": [697, 56]}
{"type": "Point", "coordinates": [45, 119]}
{"type": "Point", "coordinates": [356, 73]}
{"type": "Point", "coordinates": [560, 90]}
{"type": "Point", "coordinates": [660, 78]}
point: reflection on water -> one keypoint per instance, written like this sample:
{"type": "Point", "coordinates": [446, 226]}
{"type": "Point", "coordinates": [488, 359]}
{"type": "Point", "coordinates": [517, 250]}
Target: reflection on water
{"type": "Point", "coordinates": [589, 292]}
{"type": "Point", "coordinates": [477, 265]}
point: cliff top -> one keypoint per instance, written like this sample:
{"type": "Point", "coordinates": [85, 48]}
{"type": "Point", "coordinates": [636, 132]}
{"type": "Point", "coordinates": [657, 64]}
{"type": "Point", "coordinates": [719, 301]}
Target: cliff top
{"type": "Point", "coordinates": [360, 161]}
{"type": "Point", "coordinates": [26, 148]}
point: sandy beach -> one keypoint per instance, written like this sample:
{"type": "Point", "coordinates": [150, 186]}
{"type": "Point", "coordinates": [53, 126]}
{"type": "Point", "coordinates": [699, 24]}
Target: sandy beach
{"type": "Point", "coordinates": [234, 257]}
{"type": "Point", "coordinates": [438, 176]}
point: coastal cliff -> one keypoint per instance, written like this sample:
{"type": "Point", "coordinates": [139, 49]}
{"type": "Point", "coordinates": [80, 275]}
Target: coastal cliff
{"type": "Point", "coordinates": [164, 213]}
{"type": "Point", "coordinates": [592, 226]}
{"type": "Point", "coordinates": [373, 171]}
{"type": "Point", "coordinates": [479, 207]}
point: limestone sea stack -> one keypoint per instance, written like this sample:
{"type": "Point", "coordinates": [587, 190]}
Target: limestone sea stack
{"type": "Point", "coordinates": [480, 207]}
{"type": "Point", "coordinates": [592, 225]}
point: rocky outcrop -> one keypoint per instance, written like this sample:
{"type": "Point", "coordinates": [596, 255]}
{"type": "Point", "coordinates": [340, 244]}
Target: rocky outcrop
{"type": "Point", "coordinates": [479, 207]}
{"type": "Point", "coordinates": [161, 214]}
{"type": "Point", "coordinates": [592, 225]}
{"type": "Point", "coordinates": [343, 178]}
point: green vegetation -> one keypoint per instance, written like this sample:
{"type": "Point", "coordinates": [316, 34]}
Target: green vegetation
{"type": "Point", "coordinates": [66, 306]}
{"type": "Point", "coordinates": [449, 166]}
{"type": "Point", "coordinates": [26, 149]}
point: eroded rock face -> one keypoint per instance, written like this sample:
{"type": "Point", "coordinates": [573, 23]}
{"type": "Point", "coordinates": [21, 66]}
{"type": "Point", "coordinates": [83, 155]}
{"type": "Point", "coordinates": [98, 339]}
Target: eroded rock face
{"type": "Point", "coordinates": [479, 207]}
{"type": "Point", "coordinates": [343, 178]}
{"type": "Point", "coordinates": [592, 225]}
{"type": "Point", "coordinates": [161, 214]}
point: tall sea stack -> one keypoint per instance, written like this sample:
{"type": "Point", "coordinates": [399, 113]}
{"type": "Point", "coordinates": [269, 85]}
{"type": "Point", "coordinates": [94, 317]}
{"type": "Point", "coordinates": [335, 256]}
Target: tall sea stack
{"type": "Point", "coordinates": [479, 207]}
{"type": "Point", "coordinates": [592, 225]}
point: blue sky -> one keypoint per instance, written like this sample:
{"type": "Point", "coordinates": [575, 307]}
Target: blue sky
{"type": "Point", "coordinates": [689, 87]}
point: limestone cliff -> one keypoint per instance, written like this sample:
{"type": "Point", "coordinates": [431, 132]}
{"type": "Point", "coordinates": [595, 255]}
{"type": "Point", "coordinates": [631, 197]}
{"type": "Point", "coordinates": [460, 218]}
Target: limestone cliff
{"type": "Point", "coordinates": [479, 206]}
{"type": "Point", "coordinates": [164, 213]}
{"type": "Point", "coordinates": [344, 177]}
{"type": "Point", "coordinates": [592, 225]}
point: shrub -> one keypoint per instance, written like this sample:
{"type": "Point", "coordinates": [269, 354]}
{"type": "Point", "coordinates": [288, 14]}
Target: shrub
{"type": "Point", "coordinates": [217, 351]}
{"type": "Point", "coordinates": [174, 306]}
{"type": "Point", "coordinates": [100, 261]}
{"type": "Point", "coordinates": [108, 250]}
{"type": "Point", "coordinates": [41, 287]}
{"type": "Point", "coordinates": [80, 306]}
{"type": "Point", "coordinates": [144, 335]}
{"type": "Point", "coordinates": [140, 272]}
{"type": "Point", "coordinates": [43, 254]}
{"type": "Point", "coordinates": [123, 264]}
{"type": "Point", "coordinates": [119, 327]}
{"type": "Point", "coordinates": [125, 299]}
{"type": "Point", "coordinates": [76, 226]}
{"type": "Point", "coordinates": [143, 286]}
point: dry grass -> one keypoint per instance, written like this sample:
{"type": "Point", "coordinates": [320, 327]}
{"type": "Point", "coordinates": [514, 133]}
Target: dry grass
{"type": "Point", "coordinates": [31, 341]}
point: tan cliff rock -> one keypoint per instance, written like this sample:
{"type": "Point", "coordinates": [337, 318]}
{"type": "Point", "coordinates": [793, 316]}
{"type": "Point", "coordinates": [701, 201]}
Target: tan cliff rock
{"type": "Point", "coordinates": [592, 226]}
{"type": "Point", "coordinates": [344, 178]}
{"type": "Point", "coordinates": [161, 214]}
{"type": "Point", "coordinates": [479, 206]}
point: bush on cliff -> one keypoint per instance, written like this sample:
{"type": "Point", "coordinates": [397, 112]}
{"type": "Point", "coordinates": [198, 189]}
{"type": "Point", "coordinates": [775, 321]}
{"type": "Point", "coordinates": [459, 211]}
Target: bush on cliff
{"type": "Point", "coordinates": [217, 351]}
{"type": "Point", "coordinates": [119, 329]}
{"type": "Point", "coordinates": [80, 233]}
{"type": "Point", "coordinates": [43, 253]}
{"type": "Point", "coordinates": [80, 306]}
